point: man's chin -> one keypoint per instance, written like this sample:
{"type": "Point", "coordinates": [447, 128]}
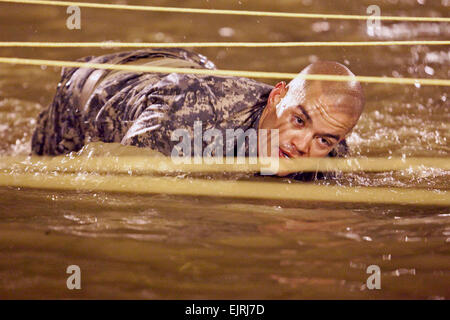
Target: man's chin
{"type": "Point", "coordinates": [283, 173]}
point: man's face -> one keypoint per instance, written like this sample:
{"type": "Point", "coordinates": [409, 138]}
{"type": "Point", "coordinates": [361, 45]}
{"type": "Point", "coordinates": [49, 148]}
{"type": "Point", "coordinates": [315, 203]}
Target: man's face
{"type": "Point", "coordinates": [310, 125]}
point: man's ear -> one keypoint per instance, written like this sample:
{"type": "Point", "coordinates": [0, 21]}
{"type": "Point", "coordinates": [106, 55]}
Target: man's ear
{"type": "Point", "coordinates": [277, 93]}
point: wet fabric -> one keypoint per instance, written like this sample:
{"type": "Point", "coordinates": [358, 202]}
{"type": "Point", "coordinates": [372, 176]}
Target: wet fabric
{"type": "Point", "coordinates": [144, 109]}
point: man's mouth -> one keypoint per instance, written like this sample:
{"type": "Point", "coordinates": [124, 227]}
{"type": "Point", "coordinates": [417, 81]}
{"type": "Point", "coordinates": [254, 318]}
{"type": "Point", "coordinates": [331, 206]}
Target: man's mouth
{"type": "Point", "coordinates": [283, 154]}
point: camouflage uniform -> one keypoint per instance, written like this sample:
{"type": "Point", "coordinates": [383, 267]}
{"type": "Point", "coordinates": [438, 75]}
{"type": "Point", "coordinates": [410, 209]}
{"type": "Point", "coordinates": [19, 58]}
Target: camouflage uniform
{"type": "Point", "coordinates": [143, 109]}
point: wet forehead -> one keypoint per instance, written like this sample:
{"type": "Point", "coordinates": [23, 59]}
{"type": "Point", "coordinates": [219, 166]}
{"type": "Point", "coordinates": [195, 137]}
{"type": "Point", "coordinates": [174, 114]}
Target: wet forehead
{"type": "Point", "coordinates": [335, 111]}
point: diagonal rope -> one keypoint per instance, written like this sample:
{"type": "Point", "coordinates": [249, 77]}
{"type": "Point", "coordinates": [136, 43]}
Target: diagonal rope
{"type": "Point", "coordinates": [227, 12]}
{"type": "Point", "coordinates": [236, 73]}
{"type": "Point", "coordinates": [112, 44]}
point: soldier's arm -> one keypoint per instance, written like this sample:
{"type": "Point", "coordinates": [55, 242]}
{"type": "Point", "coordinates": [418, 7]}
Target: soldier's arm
{"type": "Point", "coordinates": [150, 129]}
{"type": "Point", "coordinates": [175, 102]}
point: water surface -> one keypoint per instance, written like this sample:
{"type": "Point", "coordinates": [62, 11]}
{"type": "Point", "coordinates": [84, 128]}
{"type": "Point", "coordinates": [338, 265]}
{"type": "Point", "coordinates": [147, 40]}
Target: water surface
{"type": "Point", "coordinates": [160, 246]}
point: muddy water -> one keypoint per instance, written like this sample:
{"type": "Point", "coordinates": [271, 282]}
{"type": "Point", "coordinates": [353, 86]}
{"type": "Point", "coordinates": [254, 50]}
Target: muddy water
{"type": "Point", "coordinates": [159, 246]}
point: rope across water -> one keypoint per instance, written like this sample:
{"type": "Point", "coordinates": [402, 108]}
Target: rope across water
{"type": "Point", "coordinates": [72, 173]}
{"type": "Point", "coordinates": [236, 73]}
{"type": "Point", "coordinates": [112, 44]}
{"type": "Point", "coordinates": [228, 189]}
{"type": "Point", "coordinates": [112, 174]}
{"type": "Point", "coordinates": [150, 165]}
{"type": "Point", "coordinates": [227, 12]}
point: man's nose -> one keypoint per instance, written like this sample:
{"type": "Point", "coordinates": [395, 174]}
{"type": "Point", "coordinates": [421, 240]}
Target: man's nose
{"type": "Point", "coordinates": [302, 144]}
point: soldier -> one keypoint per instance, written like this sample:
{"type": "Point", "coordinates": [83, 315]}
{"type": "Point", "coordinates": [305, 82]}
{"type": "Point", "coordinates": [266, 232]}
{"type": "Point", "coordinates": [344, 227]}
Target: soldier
{"type": "Point", "coordinates": [144, 109]}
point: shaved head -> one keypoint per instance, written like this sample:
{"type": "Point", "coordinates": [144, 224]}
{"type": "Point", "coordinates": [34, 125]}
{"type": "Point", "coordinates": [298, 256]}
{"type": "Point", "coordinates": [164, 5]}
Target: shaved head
{"type": "Point", "coordinates": [313, 116]}
{"type": "Point", "coordinates": [347, 96]}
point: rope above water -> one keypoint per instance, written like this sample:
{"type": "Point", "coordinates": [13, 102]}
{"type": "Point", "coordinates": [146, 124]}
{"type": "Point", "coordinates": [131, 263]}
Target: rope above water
{"type": "Point", "coordinates": [227, 12]}
{"type": "Point", "coordinates": [227, 189]}
{"type": "Point", "coordinates": [149, 165]}
{"type": "Point", "coordinates": [112, 44]}
{"type": "Point", "coordinates": [235, 73]}
{"type": "Point", "coordinates": [112, 174]}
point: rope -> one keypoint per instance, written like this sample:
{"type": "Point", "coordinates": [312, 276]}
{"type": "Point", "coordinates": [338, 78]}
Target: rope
{"type": "Point", "coordinates": [111, 44]}
{"type": "Point", "coordinates": [148, 165]}
{"type": "Point", "coordinates": [227, 12]}
{"type": "Point", "coordinates": [249, 74]}
{"type": "Point", "coordinates": [228, 189]}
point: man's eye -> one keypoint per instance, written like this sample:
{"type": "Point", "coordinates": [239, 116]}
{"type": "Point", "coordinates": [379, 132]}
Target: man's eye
{"type": "Point", "coordinates": [299, 121]}
{"type": "Point", "coordinates": [326, 142]}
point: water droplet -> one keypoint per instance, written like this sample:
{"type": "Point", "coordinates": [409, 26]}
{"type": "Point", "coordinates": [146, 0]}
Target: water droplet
{"type": "Point", "coordinates": [226, 32]}
{"type": "Point", "coordinates": [429, 70]}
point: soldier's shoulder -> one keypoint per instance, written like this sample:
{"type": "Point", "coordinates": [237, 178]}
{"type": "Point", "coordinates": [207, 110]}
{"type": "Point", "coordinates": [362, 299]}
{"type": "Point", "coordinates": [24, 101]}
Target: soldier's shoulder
{"type": "Point", "coordinates": [224, 86]}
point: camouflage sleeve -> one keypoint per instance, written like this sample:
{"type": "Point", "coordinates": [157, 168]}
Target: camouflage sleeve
{"type": "Point", "coordinates": [58, 128]}
{"type": "Point", "coordinates": [150, 129]}
{"type": "Point", "coordinates": [87, 108]}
